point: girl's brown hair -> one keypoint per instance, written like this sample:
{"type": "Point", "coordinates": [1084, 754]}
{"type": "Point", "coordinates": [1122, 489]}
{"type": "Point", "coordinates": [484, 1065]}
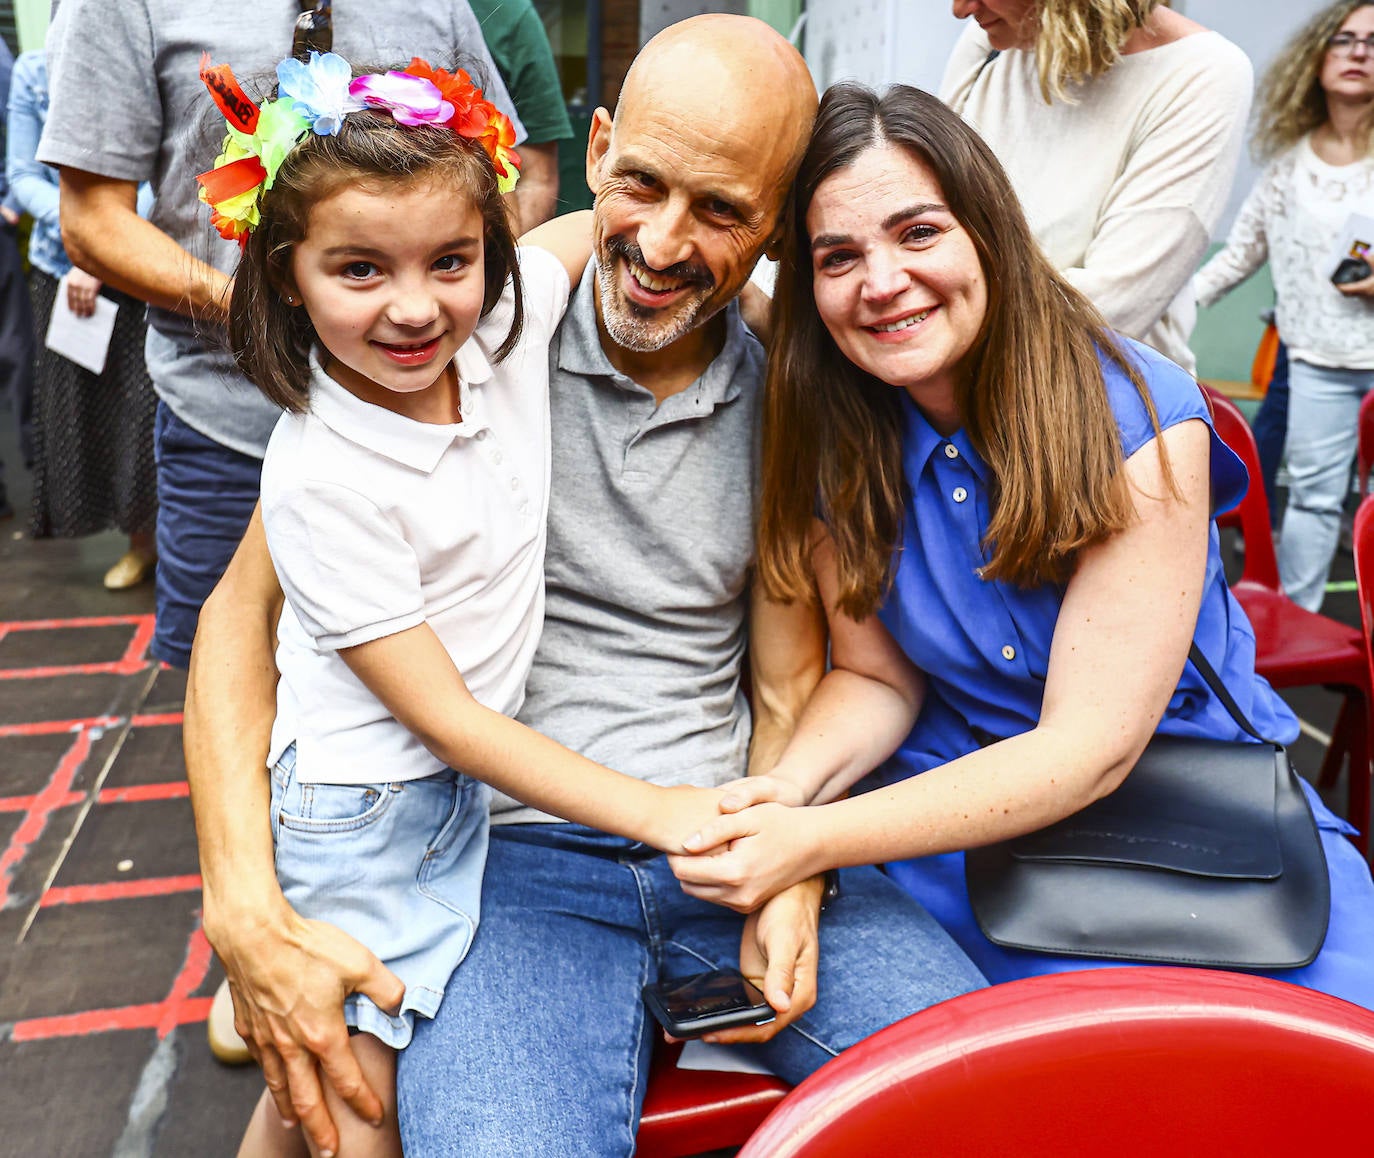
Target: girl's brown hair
{"type": "Point", "coordinates": [1031, 392]}
{"type": "Point", "coordinates": [270, 340]}
{"type": "Point", "coordinates": [1291, 100]}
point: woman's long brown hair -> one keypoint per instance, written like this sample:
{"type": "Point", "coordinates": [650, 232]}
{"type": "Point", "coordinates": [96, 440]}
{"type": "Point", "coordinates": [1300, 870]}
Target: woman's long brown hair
{"type": "Point", "coordinates": [1031, 393]}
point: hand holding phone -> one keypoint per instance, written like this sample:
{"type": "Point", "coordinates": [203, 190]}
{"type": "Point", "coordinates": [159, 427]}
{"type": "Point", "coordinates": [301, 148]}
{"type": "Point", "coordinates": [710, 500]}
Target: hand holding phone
{"type": "Point", "coordinates": [706, 1002]}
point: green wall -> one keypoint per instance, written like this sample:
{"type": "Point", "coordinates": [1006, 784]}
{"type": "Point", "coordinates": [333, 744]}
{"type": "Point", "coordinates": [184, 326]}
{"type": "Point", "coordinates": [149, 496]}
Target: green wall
{"type": "Point", "coordinates": [1226, 335]}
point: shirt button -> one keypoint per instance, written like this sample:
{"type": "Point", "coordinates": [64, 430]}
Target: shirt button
{"type": "Point", "coordinates": [959, 494]}
{"type": "Point", "coordinates": [481, 436]}
{"type": "Point", "coordinates": [515, 484]}
{"type": "Point", "coordinates": [1009, 652]}
{"type": "Point", "coordinates": [951, 451]}
{"type": "Point", "coordinates": [496, 457]}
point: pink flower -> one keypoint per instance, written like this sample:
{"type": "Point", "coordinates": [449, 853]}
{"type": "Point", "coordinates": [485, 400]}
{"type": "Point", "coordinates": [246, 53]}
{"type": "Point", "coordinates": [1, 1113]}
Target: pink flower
{"type": "Point", "coordinates": [412, 100]}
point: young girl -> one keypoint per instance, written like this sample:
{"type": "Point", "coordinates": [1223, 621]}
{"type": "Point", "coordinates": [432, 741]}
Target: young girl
{"type": "Point", "coordinates": [403, 496]}
{"type": "Point", "coordinates": [1316, 120]}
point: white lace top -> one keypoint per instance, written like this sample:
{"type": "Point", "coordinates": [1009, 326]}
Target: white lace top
{"type": "Point", "coordinates": [1293, 218]}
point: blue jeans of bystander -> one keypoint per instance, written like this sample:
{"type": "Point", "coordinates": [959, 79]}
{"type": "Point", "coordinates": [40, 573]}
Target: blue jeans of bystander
{"type": "Point", "coordinates": [1322, 432]}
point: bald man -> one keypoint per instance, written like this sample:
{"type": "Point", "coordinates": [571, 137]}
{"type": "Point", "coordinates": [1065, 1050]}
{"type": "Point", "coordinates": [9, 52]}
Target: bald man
{"type": "Point", "coordinates": [542, 1043]}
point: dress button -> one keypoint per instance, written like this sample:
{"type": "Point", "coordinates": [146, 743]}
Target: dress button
{"type": "Point", "coordinates": [1008, 652]}
{"type": "Point", "coordinates": [481, 436]}
{"type": "Point", "coordinates": [959, 494]}
{"type": "Point", "coordinates": [515, 484]}
{"type": "Point", "coordinates": [951, 451]}
{"type": "Point", "coordinates": [496, 457]}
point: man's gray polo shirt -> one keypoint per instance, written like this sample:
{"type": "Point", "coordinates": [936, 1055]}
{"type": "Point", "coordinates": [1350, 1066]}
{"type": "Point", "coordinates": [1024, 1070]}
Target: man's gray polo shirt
{"type": "Point", "coordinates": [651, 541]}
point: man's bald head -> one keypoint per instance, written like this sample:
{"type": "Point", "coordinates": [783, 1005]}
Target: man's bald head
{"type": "Point", "coordinates": [733, 72]}
{"type": "Point", "coordinates": [692, 173]}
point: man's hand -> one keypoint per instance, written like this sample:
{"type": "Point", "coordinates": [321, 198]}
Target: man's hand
{"type": "Point", "coordinates": [9, 216]}
{"type": "Point", "coordinates": [289, 979]}
{"type": "Point", "coordinates": [779, 954]}
{"type": "Point", "coordinates": [82, 289]}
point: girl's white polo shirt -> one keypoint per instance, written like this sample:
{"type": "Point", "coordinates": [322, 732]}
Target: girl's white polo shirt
{"type": "Point", "coordinates": [376, 523]}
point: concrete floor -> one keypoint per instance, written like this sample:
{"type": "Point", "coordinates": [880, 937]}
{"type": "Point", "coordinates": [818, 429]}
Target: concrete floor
{"type": "Point", "coordinates": [105, 977]}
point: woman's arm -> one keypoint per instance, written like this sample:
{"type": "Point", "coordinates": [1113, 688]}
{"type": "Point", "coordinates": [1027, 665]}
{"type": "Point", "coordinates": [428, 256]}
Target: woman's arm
{"type": "Point", "coordinates": [1246, 248]}
{"type": "Point", "coordinates": [1119, 645]}
{"type": "Point", "coordinates": [33, 185]}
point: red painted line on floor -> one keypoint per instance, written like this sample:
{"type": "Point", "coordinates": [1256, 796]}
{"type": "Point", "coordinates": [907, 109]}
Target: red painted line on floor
{"type": "Point", "coordinates": [136, 654]}
{"type": "Point", "coordinates": [121, 890]}
{"type": "Point", "coordinates": [46, 673]}
{"type": "Point", "coordinates": [133, 794]}
{"type": "Point", "coordinates": [56, 624]}
{"type": "Point", "coordinates": [153, 1016]}
{"type": "Point", "coordinates": [179, 1007]}
{"type": "Point", "coordinates": [139, 793]}
{"type": "Point", "coordinates": [192, 976]}
{"type": "Point", "coordinates": [53, 727]}
{"type": "Point", "coordinates": [45, 803]}
{"type": "Point", "coordinates": [157, 720]}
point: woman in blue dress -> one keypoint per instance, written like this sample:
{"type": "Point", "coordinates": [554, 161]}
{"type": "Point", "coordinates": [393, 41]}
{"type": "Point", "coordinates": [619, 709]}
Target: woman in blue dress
{"type": "Point", "coordinates": [1007, 511]}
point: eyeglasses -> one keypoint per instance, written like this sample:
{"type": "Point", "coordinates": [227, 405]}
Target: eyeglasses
{"type": "Point", "coordinates": [314, 29]}
{"type": "Point", "coordinates": [1344, 43]}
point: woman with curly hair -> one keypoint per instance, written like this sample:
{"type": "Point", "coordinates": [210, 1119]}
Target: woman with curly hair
{"type": "Point", "coordinates": [1316, 129]}
{"type": "Point", "coordinates": [1119, 123]}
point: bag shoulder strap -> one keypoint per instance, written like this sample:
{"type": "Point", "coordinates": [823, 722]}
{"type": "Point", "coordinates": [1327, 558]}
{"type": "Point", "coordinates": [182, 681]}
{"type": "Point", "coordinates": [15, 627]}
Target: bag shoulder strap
{"type": "Point", "coordinates": [1214, 682]}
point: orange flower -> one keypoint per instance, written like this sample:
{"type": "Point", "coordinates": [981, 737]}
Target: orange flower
{"type": "Point", "coordinates": [456, 88]}
{"type": "Point", "coordinates": [498, 139]}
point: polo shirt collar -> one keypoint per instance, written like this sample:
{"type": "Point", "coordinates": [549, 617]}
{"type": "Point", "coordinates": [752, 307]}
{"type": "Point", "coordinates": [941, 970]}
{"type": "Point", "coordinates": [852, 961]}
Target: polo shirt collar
{"type": "Point", "coordinates": [418, 445]}
{"type": "Point", "coordinates": [580, 351]}
{"type": "Point", "coordinates": [922, 440]}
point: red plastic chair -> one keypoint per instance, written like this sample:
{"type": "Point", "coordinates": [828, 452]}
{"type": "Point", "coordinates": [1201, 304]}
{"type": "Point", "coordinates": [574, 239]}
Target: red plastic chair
{"type": "Point", "coordinates": [1296, 647]}
{"type": "Point", "coordinates": [691, 1111]}
{"type": "Point", "coordinates": [1364, 454]}
{"type": "Point", "coordinates": [1106, 1063]}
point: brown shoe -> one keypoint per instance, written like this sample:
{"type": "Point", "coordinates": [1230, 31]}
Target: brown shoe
{"type": "Point", "coordinates": [132, 569]}
{"type": "Point", "coordinates": [225, 1042]}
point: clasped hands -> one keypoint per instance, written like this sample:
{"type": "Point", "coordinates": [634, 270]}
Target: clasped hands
{"type": "Point", "coordinates": [759, 845]}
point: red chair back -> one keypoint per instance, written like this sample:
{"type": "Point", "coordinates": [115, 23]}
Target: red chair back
{"type": "Point", "coordinates": [1364, 454]}
{"type": "Point", "coordinates": [1252, 515]}
{"type": "Point", "coordinates": [1364, 571]}
{"type": "Point", "coordinates": [1115, 1063]}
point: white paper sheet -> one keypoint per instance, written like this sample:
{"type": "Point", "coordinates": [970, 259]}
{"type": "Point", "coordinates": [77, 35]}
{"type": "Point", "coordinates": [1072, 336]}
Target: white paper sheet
{"type": "Point", "coordinates": [701, 1055]}
{"type": "Point", "coordinates": [85, 341]}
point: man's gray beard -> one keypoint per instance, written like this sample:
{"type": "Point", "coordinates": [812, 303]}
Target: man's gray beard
{"type": "Point", "coordinates": [637, 334]}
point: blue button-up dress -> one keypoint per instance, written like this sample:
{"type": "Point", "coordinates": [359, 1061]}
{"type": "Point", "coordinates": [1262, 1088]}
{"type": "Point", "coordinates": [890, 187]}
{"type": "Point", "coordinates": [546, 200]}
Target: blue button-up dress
{"type": "Point", "coordinates": [985, 647]}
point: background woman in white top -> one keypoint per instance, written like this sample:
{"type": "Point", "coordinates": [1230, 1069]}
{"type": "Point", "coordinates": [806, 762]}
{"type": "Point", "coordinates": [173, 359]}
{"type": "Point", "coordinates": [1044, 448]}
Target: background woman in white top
{"type": "Point", "coordinates": [1317, 124]}
{"type": "Point", "coordinates": [1119, 123]}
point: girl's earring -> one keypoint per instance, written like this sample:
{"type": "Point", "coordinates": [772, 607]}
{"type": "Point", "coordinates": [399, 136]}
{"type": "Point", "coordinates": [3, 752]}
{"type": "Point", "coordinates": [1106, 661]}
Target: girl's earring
{"type": "Point", "coordinates": [290, 301]}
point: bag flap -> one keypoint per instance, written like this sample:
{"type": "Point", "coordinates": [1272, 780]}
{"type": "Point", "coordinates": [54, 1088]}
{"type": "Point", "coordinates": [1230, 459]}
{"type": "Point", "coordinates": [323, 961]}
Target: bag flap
{"type": "Point", "coordinates": [1204, 807]}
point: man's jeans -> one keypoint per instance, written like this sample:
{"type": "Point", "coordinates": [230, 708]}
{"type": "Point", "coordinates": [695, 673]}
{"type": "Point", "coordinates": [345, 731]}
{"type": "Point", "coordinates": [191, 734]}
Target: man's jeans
{"type": "Point", "coordinates": [542, 1044]}
{"type": "Point", "coordinates": [1323, 420]}
{"type": "Point", "coordinates": [206, 494]}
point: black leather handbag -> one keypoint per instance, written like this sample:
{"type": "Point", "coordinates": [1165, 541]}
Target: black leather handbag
{"type": "Point", "coordinates": [1207, 854]}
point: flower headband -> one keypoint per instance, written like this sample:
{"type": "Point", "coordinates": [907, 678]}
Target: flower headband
{"type": "Point", "coordinates": [314, 98]}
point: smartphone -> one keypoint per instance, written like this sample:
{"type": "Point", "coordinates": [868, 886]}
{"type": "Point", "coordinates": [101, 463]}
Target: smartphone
{"type": "Point", "coordinates": [706, 1002]}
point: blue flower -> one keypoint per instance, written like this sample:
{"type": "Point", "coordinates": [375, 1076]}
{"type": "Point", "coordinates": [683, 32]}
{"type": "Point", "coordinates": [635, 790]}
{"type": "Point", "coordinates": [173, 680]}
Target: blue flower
{"type": "Point", "coordinates": [319, 89]}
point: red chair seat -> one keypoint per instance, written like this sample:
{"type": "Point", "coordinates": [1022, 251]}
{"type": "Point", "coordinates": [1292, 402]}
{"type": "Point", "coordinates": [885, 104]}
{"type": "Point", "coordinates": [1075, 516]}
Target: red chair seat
{"type": "Point", "coordinates": [691, 1111]}
{"type": "Point", "coordinates": [1290, 641]}
{"type": "Point", "coordinates": [1106, 1063]}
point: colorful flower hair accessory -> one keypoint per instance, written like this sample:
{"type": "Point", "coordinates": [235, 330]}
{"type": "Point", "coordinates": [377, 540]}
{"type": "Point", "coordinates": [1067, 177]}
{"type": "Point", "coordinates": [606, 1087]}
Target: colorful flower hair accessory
{"type": "Point", "coordinates": [314, 97]}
